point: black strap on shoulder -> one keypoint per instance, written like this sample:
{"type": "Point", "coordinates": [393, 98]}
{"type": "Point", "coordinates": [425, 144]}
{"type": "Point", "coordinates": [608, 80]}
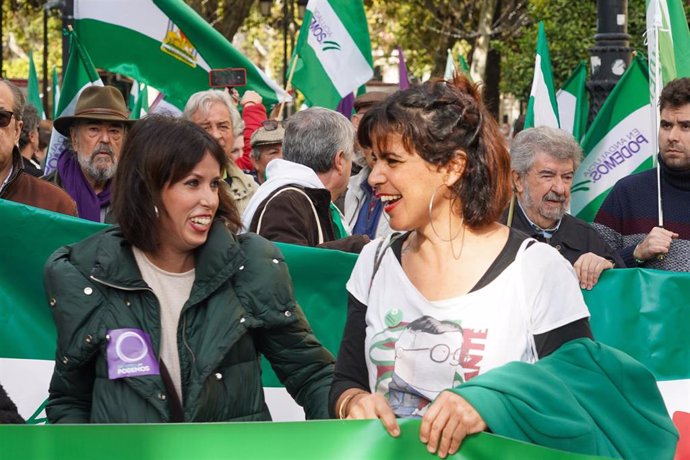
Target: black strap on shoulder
{"type": "Point", "coordinates": [380, 252]}
{"type": "Point", "coordinates": [176, 411]}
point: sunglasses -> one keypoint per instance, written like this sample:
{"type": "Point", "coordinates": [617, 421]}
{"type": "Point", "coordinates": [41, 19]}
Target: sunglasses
{"type": "Point", "coordinates": [5, 118]}
{"type": "Point", "coordinates": [272, 125]}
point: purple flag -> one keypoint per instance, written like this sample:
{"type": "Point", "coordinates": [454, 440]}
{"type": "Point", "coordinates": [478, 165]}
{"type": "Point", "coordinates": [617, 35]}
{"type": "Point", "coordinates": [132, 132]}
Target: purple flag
{"type": "Point", "coordinates": [402, 70]}
{"type": "Point", "coordinates": [346, 105]}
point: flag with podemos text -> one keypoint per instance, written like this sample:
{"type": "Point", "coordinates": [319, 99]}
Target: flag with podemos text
{"type": "Point", "coordinates": [618, 143]}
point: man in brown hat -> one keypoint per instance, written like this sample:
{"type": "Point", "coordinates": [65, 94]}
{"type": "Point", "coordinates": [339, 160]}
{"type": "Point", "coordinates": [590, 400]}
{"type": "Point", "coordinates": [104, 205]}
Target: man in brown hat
{"type": "Point", "coordinates": [267, 145]}
{"type": "Point", "coordinates": [15, 183]}
{"type": "Point", "coordinates": [96, 132]}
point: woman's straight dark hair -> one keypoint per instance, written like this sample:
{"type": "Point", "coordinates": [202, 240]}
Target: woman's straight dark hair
{"type": "Point", "coordinates": [159, 151]}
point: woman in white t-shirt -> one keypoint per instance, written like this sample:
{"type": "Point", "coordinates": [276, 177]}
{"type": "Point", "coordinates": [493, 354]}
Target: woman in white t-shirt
{"type": "Point", "coordinates": [455, 293]}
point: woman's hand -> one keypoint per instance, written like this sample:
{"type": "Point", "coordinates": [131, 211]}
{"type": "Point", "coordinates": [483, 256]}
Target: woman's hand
{"type": "Point", "coordinates": [446, 423]}
{"type": "Point", "coordinates": [364, 405]}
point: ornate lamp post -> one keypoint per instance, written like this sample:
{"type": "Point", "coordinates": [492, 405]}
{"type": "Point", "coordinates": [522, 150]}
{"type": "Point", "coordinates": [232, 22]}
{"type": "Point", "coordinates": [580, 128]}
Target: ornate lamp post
{"type": "Point", "coordinates": [288, 25]}
{"type": "Point", "coordinates": [611, 54]}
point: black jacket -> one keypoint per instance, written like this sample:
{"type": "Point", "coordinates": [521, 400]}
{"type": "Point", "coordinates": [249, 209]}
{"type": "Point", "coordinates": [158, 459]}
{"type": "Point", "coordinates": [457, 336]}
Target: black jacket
{"type": "Point", "coordinates": [573, 238]}
{"type": "Point", "coordinates": [8, 411]}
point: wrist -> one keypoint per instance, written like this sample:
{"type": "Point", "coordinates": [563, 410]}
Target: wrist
{"type": "Point", "coordinates": [637, 256]}
{"type": "Point", "coordinates": [344, 409]}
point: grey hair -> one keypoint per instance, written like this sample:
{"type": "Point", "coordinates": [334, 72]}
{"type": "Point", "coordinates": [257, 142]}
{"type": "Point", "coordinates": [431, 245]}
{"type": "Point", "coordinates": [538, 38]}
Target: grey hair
{"type": "Point", "coordinates": [31, 119]}
{"type": "Point", "coordinates": [18, 99]}
{"type": "Point", "coordinates": [203, 100]}
{"type": "Point", "coordinates": [314, 136]}
{"type": "Point", "coordinates": [554, 142]}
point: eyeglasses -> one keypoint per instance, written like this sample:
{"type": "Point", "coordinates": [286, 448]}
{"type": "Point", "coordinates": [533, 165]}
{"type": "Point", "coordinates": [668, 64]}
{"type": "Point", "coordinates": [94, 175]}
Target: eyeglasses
{"type": "Point", "coordinates": [5, 118]}
{"type": "Point", "coordinates": [272, 125]}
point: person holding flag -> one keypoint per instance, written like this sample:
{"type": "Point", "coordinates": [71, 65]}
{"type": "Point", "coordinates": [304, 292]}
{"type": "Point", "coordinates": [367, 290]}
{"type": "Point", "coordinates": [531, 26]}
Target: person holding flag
{"type": "Point", "coordinates": [628, 217]}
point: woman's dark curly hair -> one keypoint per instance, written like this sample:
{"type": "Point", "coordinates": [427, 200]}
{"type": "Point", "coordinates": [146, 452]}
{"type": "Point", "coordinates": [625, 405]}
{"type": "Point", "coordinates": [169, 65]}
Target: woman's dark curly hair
{"type": "Point", "coordinates": [439, 119]}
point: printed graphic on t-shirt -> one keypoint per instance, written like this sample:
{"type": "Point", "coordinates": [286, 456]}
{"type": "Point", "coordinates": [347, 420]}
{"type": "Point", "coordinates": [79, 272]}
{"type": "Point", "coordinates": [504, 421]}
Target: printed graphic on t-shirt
{"type": "Point", "coordinates": [417, 360]}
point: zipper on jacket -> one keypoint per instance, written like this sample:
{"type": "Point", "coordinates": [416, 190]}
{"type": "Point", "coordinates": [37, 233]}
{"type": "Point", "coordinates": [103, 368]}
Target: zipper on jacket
{"type": "Point", "coordinates": [184, 339]}
{"type": "Point", "coordinates": [115, 286]}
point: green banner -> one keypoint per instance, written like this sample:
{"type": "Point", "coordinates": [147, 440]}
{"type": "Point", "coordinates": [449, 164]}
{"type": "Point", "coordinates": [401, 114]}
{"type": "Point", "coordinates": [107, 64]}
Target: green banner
{"type": "Point", "coordinates": [333, 440]}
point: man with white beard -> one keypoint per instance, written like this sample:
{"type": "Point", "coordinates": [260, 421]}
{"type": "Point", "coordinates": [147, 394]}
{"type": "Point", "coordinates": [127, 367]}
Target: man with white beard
{"type": "Point", "coordinates": [96, 131]}
{"type": "Point", "coordinates": [543, 163]}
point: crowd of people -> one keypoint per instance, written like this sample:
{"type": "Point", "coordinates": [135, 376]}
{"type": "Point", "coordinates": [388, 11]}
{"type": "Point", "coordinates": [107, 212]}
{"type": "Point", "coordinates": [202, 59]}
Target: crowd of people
{"type": "Point", "coordinates": [163, 316]}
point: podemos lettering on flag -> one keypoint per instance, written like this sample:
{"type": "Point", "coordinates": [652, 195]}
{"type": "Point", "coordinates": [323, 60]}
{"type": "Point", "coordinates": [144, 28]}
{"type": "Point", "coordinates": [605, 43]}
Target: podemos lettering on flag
{"type": "Point", "coordinates": [333, 52]}
{"type": "Point", "coordinates": [163, 43]}
{"type": "Point", "coordinates": [618, 143]}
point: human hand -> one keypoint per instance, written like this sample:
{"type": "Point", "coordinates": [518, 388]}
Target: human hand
{"type": "Point", "coordinates": [449, 419]}
{"type": "Point", "coordinates": [367, 406]}
{"type": "Point", "coordinates": [250, 96]}
{"type": "Point", "coordinates": [657, 242]}
{"type": "Point", "coordinates": [588, 268]}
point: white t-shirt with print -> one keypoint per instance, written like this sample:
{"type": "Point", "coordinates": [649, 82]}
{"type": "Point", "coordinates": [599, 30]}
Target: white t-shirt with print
{"type": "Point", "coordinates": [415, 348]}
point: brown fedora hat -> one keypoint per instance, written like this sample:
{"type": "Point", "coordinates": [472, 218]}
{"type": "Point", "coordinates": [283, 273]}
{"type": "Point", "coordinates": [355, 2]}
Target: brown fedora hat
{"type": "Point", "coordinates": [102, 103]}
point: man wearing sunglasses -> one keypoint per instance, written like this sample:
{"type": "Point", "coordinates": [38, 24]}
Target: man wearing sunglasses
{"type": "Point", "coordinates": [96, 131]}
{"type": "Point", "coordinates": [15, 184]}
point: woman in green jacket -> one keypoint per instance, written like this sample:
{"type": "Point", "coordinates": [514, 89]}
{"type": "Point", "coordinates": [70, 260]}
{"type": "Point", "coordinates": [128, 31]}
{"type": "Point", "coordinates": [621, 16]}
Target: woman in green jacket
{"type": "Point", "coordinates": [164, 317]}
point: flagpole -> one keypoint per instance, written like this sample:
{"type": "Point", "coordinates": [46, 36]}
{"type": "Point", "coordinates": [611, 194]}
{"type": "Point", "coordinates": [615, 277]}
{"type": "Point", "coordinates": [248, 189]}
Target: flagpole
{"type": "Point", "coordinates": [656, 93]}
{"type": "Point", "coordinates": [511, 211]}
{"type": "Point", "coordinates": [288, 85]}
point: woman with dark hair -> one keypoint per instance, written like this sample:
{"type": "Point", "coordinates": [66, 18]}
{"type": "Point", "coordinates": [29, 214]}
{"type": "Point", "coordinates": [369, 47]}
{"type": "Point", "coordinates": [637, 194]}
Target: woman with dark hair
{"type": "Point", "coordinates": [163, 318]}
{"type": "Point", "coordinates": [442, 171]}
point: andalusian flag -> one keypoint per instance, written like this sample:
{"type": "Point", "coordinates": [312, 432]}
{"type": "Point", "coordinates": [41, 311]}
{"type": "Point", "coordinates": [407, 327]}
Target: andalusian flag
{"type": "Point", "coordinates": [542, 108]}
{"type": "Point", "coordinates": [333, 52]}
{"type": "Point", "coordinates": [465, 68]}
{"type": "Point", "coordinates": [80, 73]}
{"type": "Point", "coordinates": [573, 103]}
{"type": "Point", "coordinates": [668, 42]}
{"type": "Point", "coordinates": [163, 43]}
{"type": "Point", "coordinates": [138, 100]}
{"type": "Point", "coordinates": [33, 94]}
{"type": "Point", "coordinates": [619, 142]}
{"type": "Point", "coordinates": [56, 93]}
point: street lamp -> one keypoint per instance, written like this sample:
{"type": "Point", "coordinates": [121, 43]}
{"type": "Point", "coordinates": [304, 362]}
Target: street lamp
{"type": "Point", "coordinates": [611, 54]}
{"type": "Point", "coordinates": [287, 20]}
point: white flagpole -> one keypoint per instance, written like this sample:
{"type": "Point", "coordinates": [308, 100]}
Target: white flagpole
{"type": "Point", "coordinates": [655, 71]}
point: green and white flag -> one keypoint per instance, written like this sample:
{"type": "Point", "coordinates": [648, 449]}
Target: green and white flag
{"type": "Point", "coordinates": [79, 74]}
{"type": "Point", "coordinates": [618, 143]}
{"type": "Point", "coordinates": [450, 67]}
{"type": "Point", "coordinates": [333, 53]}
{"type": "Point", "coordinates": [542, 108]}
{"type": "Point", "coordinates": [573, 103]}
{"type": "Point", "coordinates": [668, 42]}
{"type": "Point", "coordinates": [163, 43]}
{"type": "Point", "coordinates": [138, 100]}
{"type": "Point", "coordinates": [56, 93]}
{"type": "Point", "coordinates": [465, 68]}
{"type": "Point", "coordinates": [33, 94]}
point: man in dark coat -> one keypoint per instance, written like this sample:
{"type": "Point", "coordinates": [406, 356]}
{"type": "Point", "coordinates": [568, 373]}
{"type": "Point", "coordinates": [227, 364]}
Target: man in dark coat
{"type": "Point", "coordinates": [543, 162]}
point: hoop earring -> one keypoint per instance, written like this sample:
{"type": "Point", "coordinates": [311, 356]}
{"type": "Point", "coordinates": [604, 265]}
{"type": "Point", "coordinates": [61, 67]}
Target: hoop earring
{"type": "Point", "coordinates": [450, 210]}
{"type": "Point", "coordinates": [155, 210]}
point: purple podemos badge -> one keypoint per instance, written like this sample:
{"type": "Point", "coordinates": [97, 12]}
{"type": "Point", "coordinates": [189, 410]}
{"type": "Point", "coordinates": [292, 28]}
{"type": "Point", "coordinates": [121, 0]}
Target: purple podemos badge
{"type": "Point", "coordinates": [130, 354]}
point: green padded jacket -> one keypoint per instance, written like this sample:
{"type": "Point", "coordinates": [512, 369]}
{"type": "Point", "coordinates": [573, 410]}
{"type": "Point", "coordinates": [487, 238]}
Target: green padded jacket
{"type": "Point", "coordinates": [241, 305]}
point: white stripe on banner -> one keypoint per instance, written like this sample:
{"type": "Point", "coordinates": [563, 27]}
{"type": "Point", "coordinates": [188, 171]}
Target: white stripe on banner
{"type": "Point", "coordinates": [676, 394]}
{"type": "Point", "coordinates": [336, 50]}
{"type": "Point", "coordinates": [137, 15]}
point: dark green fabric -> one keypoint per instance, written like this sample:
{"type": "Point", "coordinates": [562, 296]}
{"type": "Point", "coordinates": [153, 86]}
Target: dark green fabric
{"type": "Point", "coordinates": [586, 398]}
{"type": "Point", "coordinates": [241, 304]}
